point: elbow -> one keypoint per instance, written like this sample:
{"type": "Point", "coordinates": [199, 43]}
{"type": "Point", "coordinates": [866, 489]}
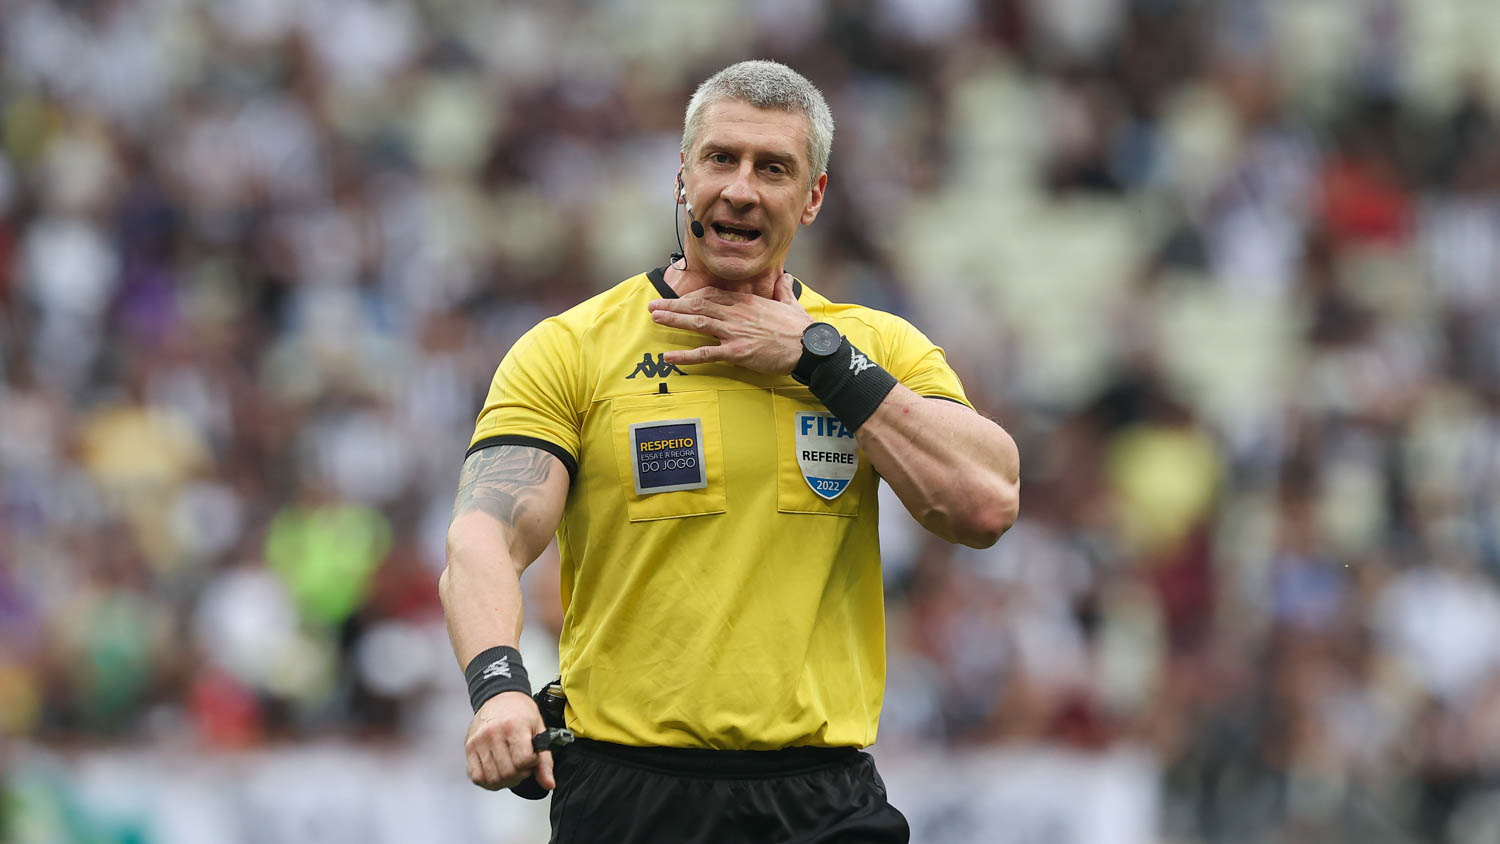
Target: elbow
{"type": "Point", "coordinates": [992, 505]}
{"type": "Point", "coordinates": [445, 586]}
{"type": "Point", "coordinates": [451, 578]}
{"type": "Point", "coordinates": [989, 516]}
{"type": "Point", "coordinates": [473, 552]}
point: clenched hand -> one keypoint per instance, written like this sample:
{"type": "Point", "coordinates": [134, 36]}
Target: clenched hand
{"type": "Point", "coordinates": [498, 745]}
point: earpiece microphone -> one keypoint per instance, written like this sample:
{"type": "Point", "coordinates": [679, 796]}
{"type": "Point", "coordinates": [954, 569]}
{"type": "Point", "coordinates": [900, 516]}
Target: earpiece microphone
{"type": "Point", "coordinates": [696, 227]}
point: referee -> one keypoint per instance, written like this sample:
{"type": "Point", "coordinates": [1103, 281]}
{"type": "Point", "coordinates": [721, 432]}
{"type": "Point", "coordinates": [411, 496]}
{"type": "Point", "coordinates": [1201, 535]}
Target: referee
{"type": "Point", "coordinates": [705, 440]}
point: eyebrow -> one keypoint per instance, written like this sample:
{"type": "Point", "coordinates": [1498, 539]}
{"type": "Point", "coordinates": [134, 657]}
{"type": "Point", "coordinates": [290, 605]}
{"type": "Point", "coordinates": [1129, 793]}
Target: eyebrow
{"type": "Point", "coordinates": [788, 159]}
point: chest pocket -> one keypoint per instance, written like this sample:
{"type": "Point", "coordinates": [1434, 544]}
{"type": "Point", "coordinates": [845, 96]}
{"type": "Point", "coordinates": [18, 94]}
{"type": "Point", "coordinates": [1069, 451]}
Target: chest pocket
{"type": "Point", "coordinates": [670, 456]}
{"type": "Point", "coordinates": [819, 468]}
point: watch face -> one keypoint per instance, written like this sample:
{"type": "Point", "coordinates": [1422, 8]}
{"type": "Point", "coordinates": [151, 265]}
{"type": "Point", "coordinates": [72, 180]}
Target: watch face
{"type": "Point", "coordinates": [821, 339]}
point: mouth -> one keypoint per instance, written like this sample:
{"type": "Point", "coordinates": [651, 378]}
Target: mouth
{"type": "Point", "coordinates": [734, 234]}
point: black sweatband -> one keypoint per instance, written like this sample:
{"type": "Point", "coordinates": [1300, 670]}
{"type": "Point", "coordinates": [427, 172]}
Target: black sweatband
{"type": "Point", "coordinates": [851, 385]}
{"type": "Point", "coordinates": [494, 671]}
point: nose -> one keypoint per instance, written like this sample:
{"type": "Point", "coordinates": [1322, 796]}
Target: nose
{"type": "Point", "coordinates": [741, 192]}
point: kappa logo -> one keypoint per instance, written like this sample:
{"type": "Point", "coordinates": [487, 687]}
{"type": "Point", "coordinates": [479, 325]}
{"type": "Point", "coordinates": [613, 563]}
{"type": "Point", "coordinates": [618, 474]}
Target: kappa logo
{"type": "Point", "coordinates": [859, 363]}
{"type": "Point", "coordinates": [658, 368]}
{"type": "Point", "coordinates": [498, 668]}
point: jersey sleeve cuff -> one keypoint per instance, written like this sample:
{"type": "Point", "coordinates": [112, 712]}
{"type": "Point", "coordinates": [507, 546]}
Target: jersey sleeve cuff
{"type": "Point", "coordinates": [950, 398]}
{"type": "Point", "coordinates": [568, 460]}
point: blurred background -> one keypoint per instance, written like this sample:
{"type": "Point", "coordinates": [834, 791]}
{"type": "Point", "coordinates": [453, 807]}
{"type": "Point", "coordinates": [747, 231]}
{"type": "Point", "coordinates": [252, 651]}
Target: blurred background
{"type": "Point", "coordinates": [1229, 271]}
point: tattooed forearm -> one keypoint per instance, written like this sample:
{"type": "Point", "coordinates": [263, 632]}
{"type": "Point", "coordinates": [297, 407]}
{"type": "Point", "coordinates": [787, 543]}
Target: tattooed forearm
{"type": "Point", "coordinates": [501, 480]}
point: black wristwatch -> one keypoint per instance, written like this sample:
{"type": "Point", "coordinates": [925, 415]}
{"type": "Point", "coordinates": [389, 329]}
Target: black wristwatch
{"type": "Point", "coordinates": [819, 343]}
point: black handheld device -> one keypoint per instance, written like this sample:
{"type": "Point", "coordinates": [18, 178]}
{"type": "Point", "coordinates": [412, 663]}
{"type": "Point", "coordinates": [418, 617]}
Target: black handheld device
{"type": "Point", "coordinates": [551, 701]}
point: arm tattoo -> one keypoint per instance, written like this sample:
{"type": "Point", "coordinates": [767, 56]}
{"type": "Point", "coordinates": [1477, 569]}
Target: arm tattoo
{"type": "Point", "coordinates": [501, 481]}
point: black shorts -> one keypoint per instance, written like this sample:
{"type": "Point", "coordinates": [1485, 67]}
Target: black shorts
{"type": "Point", "coordinates": [613, 794]}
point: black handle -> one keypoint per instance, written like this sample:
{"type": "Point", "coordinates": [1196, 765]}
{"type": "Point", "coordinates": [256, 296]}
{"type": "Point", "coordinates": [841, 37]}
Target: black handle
{"type": "Point", "coordinates": [555, 738]}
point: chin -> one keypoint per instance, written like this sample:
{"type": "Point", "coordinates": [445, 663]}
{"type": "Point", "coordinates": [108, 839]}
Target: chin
{"type": "Point", "coordinates": [733, 269]}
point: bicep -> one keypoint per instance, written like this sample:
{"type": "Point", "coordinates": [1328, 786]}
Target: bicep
{"type": "Point", "coordinates": [515, 493]}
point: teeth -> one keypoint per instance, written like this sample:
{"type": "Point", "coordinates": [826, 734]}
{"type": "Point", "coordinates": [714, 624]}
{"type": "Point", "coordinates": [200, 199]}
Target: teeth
{"type": "Point", "coordinates": [734, 236]}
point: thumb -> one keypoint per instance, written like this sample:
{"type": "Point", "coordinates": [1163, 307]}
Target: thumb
{"type": "Point", "coordinates": [544, 774]}
{"type": "Point", "coordinates": [784, 289]}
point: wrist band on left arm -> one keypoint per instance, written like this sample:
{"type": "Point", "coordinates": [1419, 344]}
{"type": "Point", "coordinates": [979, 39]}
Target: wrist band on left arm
{"type": "Point", "coordinates": [851, 385]}
{"type": "Point", "coordinates": [493, 671]}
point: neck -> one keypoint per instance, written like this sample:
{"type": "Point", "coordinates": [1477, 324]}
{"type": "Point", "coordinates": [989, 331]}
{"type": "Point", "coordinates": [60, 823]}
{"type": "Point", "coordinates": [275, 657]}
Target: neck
{"type": "Point", "coordinates": [686, 281]}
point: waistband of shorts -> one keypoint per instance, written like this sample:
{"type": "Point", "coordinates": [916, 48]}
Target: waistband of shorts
{"type": "Point", "coordinates": [718, 764]}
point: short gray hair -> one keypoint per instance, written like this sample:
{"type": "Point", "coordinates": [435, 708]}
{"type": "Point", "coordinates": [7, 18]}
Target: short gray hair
{"type": "Point", "coordinates": [766, 84]}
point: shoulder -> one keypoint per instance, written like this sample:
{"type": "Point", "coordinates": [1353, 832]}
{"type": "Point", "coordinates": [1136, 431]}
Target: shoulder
{"type": "Point", "coordinates": [861, 322]}
{"type": "Point", "coordinates": [895, 343]}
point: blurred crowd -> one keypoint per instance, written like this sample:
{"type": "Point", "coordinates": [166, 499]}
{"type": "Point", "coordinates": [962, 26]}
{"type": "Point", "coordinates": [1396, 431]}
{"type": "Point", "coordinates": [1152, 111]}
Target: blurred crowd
{"type": "Point", "coordinates": [1229, 271]}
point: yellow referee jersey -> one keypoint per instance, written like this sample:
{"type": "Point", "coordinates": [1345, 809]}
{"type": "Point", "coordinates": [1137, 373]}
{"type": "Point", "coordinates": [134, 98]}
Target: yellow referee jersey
{"type": "Point", "coordinates": [720, 563]}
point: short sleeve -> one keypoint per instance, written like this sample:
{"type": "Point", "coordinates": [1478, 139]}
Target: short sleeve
{"type": "Point", "coordinates": [533, 398]}
{"type": "Point", "coordinates": [921, 366]}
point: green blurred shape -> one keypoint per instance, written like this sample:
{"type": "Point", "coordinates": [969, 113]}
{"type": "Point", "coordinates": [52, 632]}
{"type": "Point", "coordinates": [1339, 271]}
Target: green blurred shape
{"type": "Point", "coordinates": [326, 555]}
{"type": "Point", "coordinates": [118, 659]}
{"type": "Point", "coordinates": [36, 808]}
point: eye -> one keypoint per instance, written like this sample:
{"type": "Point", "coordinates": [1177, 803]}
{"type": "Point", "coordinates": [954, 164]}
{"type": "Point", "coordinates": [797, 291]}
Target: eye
{"type": "Point", "coordinates": [719, 157]}
{"type": "Point", "coordinates": [775, 169]}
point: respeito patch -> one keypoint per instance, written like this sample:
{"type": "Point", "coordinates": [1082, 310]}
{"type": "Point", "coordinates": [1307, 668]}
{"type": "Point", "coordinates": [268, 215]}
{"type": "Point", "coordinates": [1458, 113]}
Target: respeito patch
{"type": "Point", "coordinates": [826, 452]}
{"type": "Point", "coordinates": [668, 455]}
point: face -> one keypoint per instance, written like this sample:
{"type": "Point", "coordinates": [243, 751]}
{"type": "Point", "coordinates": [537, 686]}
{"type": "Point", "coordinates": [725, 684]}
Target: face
{"type": "Point", "coordinates": [747, 177]}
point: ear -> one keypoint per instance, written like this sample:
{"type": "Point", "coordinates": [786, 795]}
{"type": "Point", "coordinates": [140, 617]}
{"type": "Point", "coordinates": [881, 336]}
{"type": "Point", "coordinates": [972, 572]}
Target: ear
{"type": "Point", "coordinates": [678, 187]}
{"type": "Point", "coordinates": [815, 201]}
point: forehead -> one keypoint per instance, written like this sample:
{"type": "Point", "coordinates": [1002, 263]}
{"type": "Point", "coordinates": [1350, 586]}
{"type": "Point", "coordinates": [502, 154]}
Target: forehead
{"type": "Point", "coordinates": [738, 125]}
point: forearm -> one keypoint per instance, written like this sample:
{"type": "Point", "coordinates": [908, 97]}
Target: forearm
{"type": "Point", "coordinates": [957, 472]}
{"type": "Point", "coordinates": [480, 589]}
{"type": "Point", "coordinates": [509, 501]}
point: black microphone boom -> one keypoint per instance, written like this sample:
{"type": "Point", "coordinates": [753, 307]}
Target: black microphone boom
{"type": "Point", "coordinates": [696, 227]}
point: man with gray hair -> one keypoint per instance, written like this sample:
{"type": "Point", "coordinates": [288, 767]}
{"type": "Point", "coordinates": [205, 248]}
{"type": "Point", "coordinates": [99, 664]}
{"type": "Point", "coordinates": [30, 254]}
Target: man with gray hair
{"type": "Point", "coordinates": [706, 441]}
